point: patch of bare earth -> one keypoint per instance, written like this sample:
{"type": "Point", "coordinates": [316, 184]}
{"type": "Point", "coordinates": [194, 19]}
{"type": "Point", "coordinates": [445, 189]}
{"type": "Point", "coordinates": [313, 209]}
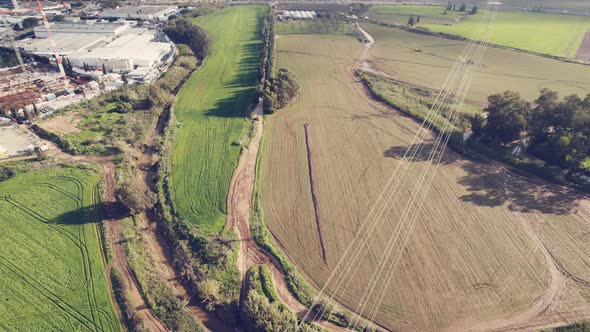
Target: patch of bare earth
{"type": "Point", "coordinates": [62, 124]}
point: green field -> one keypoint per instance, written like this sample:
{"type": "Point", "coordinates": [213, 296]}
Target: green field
{"type": "Point", "coordinates": [322, 26]}
{"type": "Point", "coordinates": [399, 14]}
{"type": "Point", "coordinates": [52, 275]}
{"type": "Point", "coordinates": [426, 61]}
{"type": "Point", "coordinates": [552, 34]}
{"type": "Point", "coordinates": [211, 108]}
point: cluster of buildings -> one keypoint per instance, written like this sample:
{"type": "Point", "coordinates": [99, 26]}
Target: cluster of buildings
{"type": "Point", "coordinates": [120, 47]}
{"type": "Point", "coordinates": [298, 15]}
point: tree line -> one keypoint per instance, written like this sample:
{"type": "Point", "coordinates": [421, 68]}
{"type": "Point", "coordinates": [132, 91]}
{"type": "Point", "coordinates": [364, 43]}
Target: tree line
{"type": "Point", "coordinates": [556, 131]}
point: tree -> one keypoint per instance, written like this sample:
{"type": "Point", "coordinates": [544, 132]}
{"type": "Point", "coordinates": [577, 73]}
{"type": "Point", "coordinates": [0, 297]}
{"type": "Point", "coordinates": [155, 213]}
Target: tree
{"type": "Point", "coordinates": [417, 19]}
{"type": "Point", "coordinates": [58, 18]}
{"type": "Point", "coordinates": [277, 92]}
{"type": "Point", "coordinates": [30, 22]}
{"type": "Point", "coordinates": [123, 108]}
{"type": "Point", "coordinates": [454, 7]}
{"type": "Point", "coordinates": [477, 124]}
{"type": "Point", "coordinates": [135, 195]}
{"type": "Point", "coordinates": [507, 114]}
{"type": "Point", "coordinates": [463, 8]}
{"type": "Point", "coordinates": [104, 69]}
{"type": "Point", "coordinates": [473, 10]}
{"type": "Point", "coordinates": [411, 21]}
{"type": "Point", "coordinates": [182, 31]}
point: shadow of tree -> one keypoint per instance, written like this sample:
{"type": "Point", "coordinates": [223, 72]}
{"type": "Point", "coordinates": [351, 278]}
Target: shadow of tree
{"type": "Point", "coordinates": [91, 214]}
{"type": "Point", "coordinates": [420, 152]}
{"type": "Point", "coordinates": [494, 186]}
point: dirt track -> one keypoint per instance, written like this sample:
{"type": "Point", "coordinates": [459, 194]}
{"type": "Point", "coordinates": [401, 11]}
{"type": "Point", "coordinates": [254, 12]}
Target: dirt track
{"type": "Point", "coordinates": [239, 201]}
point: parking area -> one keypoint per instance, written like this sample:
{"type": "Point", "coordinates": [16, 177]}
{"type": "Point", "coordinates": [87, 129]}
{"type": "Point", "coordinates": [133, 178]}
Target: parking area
{"type": "Point", "coordinates": [17, 141]}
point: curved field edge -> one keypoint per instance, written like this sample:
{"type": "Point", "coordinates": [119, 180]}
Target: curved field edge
{"type": "Point", "coordinates": [51, 257]}
{"type": "Point", "coordinates": [211, 108]}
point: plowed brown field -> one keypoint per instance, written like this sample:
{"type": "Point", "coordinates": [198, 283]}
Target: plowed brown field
{"type": "Point", "coordinates": [490, 249]}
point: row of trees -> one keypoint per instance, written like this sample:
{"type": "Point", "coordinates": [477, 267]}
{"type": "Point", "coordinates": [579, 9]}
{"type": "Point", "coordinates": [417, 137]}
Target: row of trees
{"type": "Point", "coordinates": [279, 91]}
{"type": "Point", "coordinates": [462, 8]}
{"type": "Point", "coordinates": [557, 131]}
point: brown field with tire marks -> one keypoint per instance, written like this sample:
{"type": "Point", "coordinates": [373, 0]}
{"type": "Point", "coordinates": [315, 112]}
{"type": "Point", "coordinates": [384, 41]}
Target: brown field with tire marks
{"type": "Point", "coordinates": [490, 249]}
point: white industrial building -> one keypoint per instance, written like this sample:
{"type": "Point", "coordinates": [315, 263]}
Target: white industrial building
{"type": "Point", "coordinates": [141, 12]}
{"type": "Point", "coordinates": [83, 27]}
{"type": "Point", "coordinates": [119, 46]}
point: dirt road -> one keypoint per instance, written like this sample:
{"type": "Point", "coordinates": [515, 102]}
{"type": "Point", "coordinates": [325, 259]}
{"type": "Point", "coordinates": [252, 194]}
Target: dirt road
{"type": "Point", "coordinates": [239, 201]}
{"type": "Point", "coordinates": [120, 260]}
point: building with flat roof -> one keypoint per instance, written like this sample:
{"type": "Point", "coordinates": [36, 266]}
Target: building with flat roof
{"type": "Point", "coordinates": [116, 47]}
{"type": "Point", "coordinates": [83, 27]}
{"type": "Point", "coordinates": [141, 12]}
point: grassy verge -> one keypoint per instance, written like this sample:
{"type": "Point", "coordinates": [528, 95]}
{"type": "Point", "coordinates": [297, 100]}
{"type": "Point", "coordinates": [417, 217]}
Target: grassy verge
{"type": "Point", "coordinates": [417, 102]}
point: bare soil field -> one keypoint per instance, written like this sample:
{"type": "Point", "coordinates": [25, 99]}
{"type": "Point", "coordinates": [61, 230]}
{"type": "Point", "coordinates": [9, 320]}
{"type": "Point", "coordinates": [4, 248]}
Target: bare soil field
{"type": "Point", "coordinates": [490, 249]}
{"type": "Point", "coordinates": [63, 124]}
{"type": "Point", "coordinates": [583, 53]}
{"type": "Point", "coordinates": [425, 61]}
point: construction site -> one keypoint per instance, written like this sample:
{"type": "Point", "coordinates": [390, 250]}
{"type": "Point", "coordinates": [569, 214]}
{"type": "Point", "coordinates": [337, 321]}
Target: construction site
{"type": "Point", "coordinates": [62, 62]}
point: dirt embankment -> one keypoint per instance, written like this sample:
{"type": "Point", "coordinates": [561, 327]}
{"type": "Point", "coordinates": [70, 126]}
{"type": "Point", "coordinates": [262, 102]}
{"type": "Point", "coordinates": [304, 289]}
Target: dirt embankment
{"type": "Point", "coordinates": [314, 198]}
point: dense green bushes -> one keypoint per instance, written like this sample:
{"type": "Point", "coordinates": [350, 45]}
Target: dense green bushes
{"type": "Point", "coordinates": [575, 327]}
{"type": "Point", "coordinates": [279, 91]}
{"type": "Point", "coordinates": [132, 320]}
{"type": "Point", "coordinates": [258, 312]}
{"type": "Point", "coordinates": [183, 31]}
{"type": "Point", "coordinates": [160, 296]}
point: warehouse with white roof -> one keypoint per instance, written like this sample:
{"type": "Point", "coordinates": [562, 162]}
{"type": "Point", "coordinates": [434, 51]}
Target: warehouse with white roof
{"type": "Point", "coordinates": [118, 47]}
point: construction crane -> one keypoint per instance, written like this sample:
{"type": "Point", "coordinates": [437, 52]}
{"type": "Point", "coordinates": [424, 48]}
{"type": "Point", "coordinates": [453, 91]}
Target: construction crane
{"type": "Point", "coordinates": [52, 43]}
{"type": "Point", "coordinates": [10, 35]}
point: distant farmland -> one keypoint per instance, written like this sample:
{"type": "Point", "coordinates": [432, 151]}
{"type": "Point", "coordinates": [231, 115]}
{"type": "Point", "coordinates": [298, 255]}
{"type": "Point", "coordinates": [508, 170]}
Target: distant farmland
{"type": "Point", "coordinates": [426, 60]}
{"type": "Point", "coordinates": [488, 247]}
{"type": "Point", "coordinates": [400, 14]}
{"type": "Point", "coordinates": [52, 272]}
{"type": "Point", "coordinates": [211, 107]}
{"type": "Point", "coordinates": [552, 34]}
